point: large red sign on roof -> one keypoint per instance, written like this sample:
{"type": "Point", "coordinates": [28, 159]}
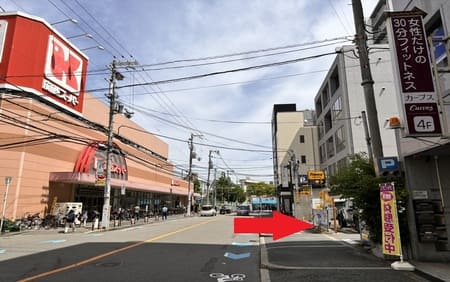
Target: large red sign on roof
{"type": "Point", "coordinates": [36, 59]}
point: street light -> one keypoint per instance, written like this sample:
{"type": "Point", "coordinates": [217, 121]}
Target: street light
{"type": "Point", "coordinates": [64, 21]}
{"type": "Point", "coordinates": [7, 182]}
{"type": "Point", "coordinates": [88, 35]}
{"type": "Point", "coordinates": [100, 47]}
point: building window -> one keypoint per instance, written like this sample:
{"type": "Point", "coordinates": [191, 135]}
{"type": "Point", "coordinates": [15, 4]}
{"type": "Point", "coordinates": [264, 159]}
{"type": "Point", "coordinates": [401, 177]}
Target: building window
{"type": "Point", "coordinates": [340, 139]}
{"type": "Point", "coordinates": [334, 82]}
{"type": "Point", "coordinates": [322, 154]}
{"type": "Point", "coordinates": [436, 31]}
{"type": "Point", "coordinates": [321, 130]}
{"type": "Point", "coordinates": [303, 159]}
{"type": "Point", "coordinates": [328, 121]}
{"type": "Point", "coordinates": [302, 138]}
{"type": "Point", "coordinates": [337, 108]}
{"type": "Point", "coordinates": [319, 106]}
{"type": "Point", "coordinates": [330, 147]}
{"type": "Point", "coordinates": [325, 96]}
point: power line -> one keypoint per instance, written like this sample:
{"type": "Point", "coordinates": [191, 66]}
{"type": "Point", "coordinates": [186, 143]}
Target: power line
{"type": "Point", "coordinates": [248, 52]}
{"type": "Point", "coordinates": [220, 72]}
{"type": "Point", "coordinates": [201, 132]}
{"type": "Point", "coordinates": [240, 59]}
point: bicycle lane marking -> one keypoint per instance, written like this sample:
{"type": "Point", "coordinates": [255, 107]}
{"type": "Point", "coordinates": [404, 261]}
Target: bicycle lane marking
{"type": "Point", "coordinates": [86, 261]}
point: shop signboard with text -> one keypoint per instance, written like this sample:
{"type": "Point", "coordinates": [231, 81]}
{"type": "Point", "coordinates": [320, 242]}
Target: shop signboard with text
{"type": "Point", "coordinates": [413, 75]}
{"type": "Point", "coordinates": [92, 160]}
{"type": "Point", "coordinates": [389, 220]}
{"type": "Point", "coordinates": [54, 70]}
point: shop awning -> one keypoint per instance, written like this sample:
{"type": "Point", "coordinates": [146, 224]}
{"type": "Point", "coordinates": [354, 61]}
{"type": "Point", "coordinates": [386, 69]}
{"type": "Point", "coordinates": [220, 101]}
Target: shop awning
{"type": "Point", "coordinates": [87, 178]}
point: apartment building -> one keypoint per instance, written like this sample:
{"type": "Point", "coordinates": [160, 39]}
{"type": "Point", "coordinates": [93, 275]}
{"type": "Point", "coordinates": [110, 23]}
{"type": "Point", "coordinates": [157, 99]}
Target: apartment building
{"type": "Point", "coordinates": [340, 102]}
{"type": "Point", "coordinates": [295, 151]}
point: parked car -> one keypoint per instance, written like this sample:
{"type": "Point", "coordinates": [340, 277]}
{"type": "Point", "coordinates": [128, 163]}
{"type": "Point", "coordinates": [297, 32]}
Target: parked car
{"type": "Point", "coordinates": [243, 210]}
{"type": "Point", "coordinates": [225, 210]}
{"type": "Point", "coordinates": [208, 210]}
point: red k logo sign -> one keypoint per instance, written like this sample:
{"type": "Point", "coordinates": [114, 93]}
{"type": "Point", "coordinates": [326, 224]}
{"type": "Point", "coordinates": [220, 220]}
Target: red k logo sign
{"type": "Point", "coordinates": [63, 66]}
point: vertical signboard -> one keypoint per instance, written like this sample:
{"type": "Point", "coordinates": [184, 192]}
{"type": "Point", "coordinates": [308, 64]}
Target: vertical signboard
{"type": "Point", "coordinates": [413, 74]}
{"type": "Point", "coordinates": [389, 220]}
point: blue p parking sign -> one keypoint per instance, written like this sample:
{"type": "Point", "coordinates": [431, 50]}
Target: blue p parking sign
{"type": "Point", "coordinates": [388, 163]}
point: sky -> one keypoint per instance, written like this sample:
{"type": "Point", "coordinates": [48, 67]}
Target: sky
{"type": "Point", "coordinates": [248, 54]}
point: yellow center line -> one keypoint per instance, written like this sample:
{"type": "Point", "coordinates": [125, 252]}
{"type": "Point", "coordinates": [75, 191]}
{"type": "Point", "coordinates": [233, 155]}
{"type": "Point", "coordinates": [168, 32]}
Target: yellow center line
{"type": "Point", "coordinates": [86, 261]}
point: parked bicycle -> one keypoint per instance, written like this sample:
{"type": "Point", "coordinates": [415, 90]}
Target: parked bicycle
{"type": "Point", "coordinates": [50, 221]}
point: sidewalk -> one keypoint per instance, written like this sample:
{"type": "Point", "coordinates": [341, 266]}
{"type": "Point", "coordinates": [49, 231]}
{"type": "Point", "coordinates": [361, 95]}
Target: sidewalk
{"type": "Point", "coordinates": [440, 271]}
{"type": "Point", "coordinates": [114, 225]}
{"type": "Point", "coordinates": [434, 271]}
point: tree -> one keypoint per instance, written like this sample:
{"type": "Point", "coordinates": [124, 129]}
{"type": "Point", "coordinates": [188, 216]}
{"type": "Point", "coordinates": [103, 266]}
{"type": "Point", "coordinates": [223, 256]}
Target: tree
{"type": "Point", "coordinates": [223, 186]}
{"type": "Point", "coordinates": [197, 188]}
{"type": "Point", "coordinates": [237, 194]}
{"type": "Point", "coordinates": [260, 189]}
{"type": "Point", "coordinates": [359, 182]}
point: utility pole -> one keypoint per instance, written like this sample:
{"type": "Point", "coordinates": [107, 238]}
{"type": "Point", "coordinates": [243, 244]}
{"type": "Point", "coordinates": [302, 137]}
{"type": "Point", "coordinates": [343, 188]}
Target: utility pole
{"type": "Point", "coordinates": [191, 156]}
{"type": "Point", "coordinates": [215, 187]}
{"type": "Point", "coordinates": [367, 82]}
{"type": "Point", "coordinates": [210, 165]}
{"type": "Point", "coordinates": [191, 151]}
{"type": "Point", "coordinates": [366, 133]}
{"type": "Point", "coordinates": [207, 181]}
{"type": "Point", "coordinates": [113, 108]}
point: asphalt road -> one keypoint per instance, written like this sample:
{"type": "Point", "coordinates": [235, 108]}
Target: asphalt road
{"type": "Point", "coordinates": [188, 249]}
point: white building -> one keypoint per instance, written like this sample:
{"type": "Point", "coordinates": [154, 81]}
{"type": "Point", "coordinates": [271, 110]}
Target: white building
{"type": "Point", "coordinates": [339, 104]}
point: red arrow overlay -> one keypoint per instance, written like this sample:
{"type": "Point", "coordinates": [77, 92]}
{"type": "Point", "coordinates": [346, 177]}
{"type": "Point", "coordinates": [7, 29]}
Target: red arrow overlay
{"type": "Point", "coordinates": [279, 225]}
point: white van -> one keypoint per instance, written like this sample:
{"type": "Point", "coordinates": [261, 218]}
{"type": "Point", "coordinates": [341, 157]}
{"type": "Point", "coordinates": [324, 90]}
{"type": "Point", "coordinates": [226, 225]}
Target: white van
{"type": "Point", "coordinates": [61, 209]}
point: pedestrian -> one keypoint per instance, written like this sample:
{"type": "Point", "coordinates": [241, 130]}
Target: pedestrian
{"type": "Point", "coordinates": [84, 218]}
{"type": "Point", "coordinates": [96, 216]}
{"type": "Point", "coordinates": [120, 215]}
{"type": "Point", "coordinates": [196, 208]}
{"type": "Point", "coordinates": [164, 212]}
{"type": "Point", "coordinates": [70, 221]}
{"type": "Point", "coordinates": [136, 212]}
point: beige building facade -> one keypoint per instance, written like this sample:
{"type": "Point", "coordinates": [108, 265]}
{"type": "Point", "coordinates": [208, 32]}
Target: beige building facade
{"type": "Point", "coordinates": [40, 149]}
{"type": "Point", "coordinates": [53, 135]}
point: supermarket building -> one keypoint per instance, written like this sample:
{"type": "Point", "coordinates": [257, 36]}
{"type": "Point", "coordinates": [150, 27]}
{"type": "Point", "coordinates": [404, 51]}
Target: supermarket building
{"type": "Point", "coordinates": [53, 136]}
